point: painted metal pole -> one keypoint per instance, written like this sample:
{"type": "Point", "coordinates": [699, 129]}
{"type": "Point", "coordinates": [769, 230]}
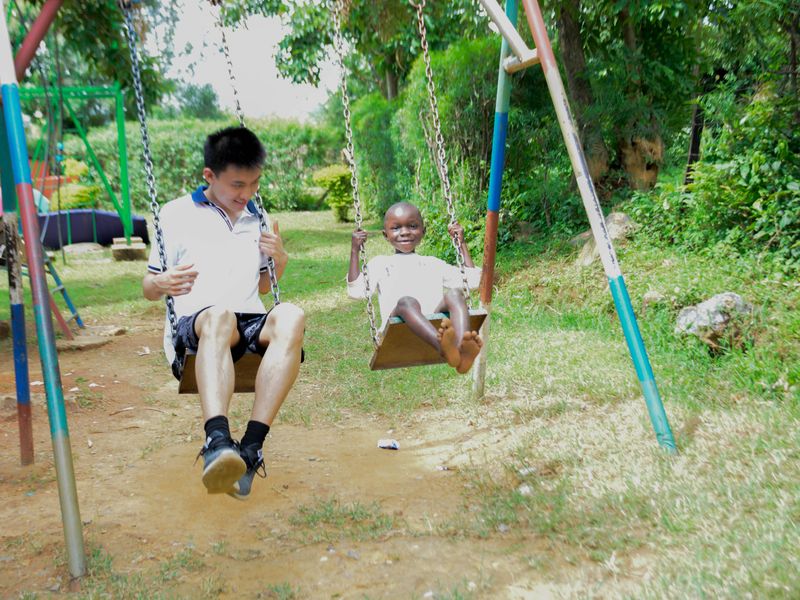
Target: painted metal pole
{"type": "Point", "coordinates": [30, 44]}
{"type": "Point", "coordinates": [14, 267]}
{"type": "Point", "coordinates": [127, 218]}
{"type": "Point", "coordinates": [59, 433]}
{"type": "Point", "coordinates": [502, 102]}
{"type": "Point", "coordinates": [627, 318]}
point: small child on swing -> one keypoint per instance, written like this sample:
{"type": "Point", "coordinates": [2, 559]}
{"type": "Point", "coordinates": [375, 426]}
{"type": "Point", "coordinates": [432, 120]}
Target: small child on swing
{"type": "Point", "coordinates": [411, 286]}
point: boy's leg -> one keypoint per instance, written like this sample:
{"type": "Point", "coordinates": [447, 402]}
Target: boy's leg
{"type": "Point", "coordinates": [468, 342]}
{"type": "Point", "coordinates": [282, 334]}
{"type": "Point", "coordinates": [216, 331]}
{"type": "Point", "coordinates": [409, 309]}
{"type": "Point", "coordinates": [456, 305]}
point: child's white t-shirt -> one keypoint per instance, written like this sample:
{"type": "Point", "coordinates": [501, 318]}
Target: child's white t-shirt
{"type": "Point", "coordinates": [421, 277]}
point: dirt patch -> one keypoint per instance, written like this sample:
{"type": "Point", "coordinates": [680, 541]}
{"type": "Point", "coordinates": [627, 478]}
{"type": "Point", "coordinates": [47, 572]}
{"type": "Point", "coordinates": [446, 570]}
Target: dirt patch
{"type": "Point", "coordinates": [337, 517]}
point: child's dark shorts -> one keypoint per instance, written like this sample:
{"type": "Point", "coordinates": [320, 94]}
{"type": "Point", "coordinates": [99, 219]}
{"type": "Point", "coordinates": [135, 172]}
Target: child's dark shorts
{"type": "Point", "coordinates": [249, 326]}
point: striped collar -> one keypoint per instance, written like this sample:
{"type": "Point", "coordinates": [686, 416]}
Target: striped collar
{"type": "Point", "coordinates": [199, 197]}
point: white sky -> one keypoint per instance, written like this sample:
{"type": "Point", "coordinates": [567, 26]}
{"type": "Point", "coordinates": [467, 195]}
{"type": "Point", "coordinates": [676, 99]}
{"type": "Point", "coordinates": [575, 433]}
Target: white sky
{"type": "Point", "coordinates": [262, 91]}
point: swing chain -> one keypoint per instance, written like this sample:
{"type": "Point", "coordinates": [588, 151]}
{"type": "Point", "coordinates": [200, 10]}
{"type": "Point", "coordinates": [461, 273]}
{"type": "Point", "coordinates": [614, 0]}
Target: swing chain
{"type": "Point", "coordinates": [259, 204]}
{"type": "Point", "coordinates": [337, 8]}
{"type": "Point", "coordinates": [132, 38]}
{"type": "Point", "coordinates": [437, 126]}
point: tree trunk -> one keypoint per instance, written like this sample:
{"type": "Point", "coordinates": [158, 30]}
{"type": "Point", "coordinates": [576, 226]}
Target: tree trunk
{"type": "Point", "coordinates": [580, 90]}
{"type": "Point", "coordinates": [698, 122]}
{"type": "Point", "coordinates": [641, 155]}
{"type": "Point", "coordinates": [391, 84]}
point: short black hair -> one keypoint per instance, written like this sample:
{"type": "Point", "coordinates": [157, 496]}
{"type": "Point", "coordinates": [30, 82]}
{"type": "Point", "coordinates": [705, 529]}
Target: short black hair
{"type": "Point", "coordinates": [237, 146]}
{"type": "Point", "coordinates": [403, 204]}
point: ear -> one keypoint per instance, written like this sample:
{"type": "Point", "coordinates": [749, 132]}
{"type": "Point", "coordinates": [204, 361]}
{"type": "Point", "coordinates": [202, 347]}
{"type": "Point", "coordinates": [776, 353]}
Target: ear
{"type": "Point", "coordinates": [383, 231]}
{"type": "Point", "coordinates": [208, 175]}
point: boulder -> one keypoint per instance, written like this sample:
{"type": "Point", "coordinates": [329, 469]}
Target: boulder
{"type": "Point", "coordinates": [619, 226]}
{"type": "Point", "coordinates": [718, 318]}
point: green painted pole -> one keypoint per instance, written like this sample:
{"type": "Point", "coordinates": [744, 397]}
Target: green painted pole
{"type": "Point", "coordinates": [93, 157]}
{"type": "Point", "coordinates": [127, 221]}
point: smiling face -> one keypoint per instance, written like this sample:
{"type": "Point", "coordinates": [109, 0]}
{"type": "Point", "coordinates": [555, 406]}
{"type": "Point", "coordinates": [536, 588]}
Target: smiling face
{"type": "Point", "coordinates": [232, 188]}
{"type": "Point", "coordinates": [403, 227]}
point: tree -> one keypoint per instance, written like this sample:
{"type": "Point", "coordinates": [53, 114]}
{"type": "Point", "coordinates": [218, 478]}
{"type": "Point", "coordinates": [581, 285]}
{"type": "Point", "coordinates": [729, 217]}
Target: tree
{"type": "Point", "coordinates": [198, 101]}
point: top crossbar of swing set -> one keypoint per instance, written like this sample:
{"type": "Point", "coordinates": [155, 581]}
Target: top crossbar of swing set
{"type": "Point", "coordinates": [523, 57]}
{"type": "Point", "coordinates": [80, 92]}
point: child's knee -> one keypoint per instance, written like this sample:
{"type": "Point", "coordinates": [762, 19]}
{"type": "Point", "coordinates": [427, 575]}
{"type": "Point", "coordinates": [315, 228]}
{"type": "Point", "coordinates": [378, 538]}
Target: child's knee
{"type": "Point", "coordinates": [407, 303]}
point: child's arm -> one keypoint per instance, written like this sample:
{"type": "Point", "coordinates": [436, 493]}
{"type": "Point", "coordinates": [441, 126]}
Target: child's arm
{"type": "Point", "coordinates": [359, 239]}
{"type": "Point", "coordinates": [455, 229]}
{"type": "Point", "coordinates": [176, 281]}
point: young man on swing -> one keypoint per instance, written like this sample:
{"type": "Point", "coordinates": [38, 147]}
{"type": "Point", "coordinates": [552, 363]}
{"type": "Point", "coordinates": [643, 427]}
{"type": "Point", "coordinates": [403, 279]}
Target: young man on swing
{"type": "Point", "coordinates": [216, 257]}
{"type": "Point", "coordinates": [411, 286]}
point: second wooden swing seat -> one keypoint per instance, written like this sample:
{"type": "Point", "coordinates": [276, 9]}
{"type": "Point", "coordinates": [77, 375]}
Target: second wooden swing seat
{"type": "Point", "coordinates": [245, 368]}
{"type": "Point", "coordinates": [399, 347]}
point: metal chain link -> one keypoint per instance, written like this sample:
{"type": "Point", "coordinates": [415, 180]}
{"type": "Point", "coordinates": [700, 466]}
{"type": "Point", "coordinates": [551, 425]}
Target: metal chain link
{"type": "Point", "coordinates": [132, 38]}
{"type": "Point", "coordinates": [437, 126]}
{"type": "Point", "coordinates": [337, 8]}
{"type": "Point", "coordinates": [259, 203]}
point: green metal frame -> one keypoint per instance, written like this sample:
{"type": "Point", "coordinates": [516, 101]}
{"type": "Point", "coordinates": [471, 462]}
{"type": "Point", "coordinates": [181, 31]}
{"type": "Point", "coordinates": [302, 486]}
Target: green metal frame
{"type": "Point", "coordinates": [77, 93]}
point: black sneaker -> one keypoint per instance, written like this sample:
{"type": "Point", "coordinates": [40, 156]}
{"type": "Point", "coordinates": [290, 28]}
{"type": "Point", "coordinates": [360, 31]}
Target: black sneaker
{"type": "Point", "coordinates": [254, 459]}
{"type": "Point", "coordinates": [222, 464]}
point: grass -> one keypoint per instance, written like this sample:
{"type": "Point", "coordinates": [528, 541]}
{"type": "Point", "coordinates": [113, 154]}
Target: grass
{"type": "Point", "coordinates": [582, 473]}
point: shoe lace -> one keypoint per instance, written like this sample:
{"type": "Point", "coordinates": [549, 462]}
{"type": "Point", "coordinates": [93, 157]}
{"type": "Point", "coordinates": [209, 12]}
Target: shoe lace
{"type": "Point", "coordinates": [212, 443]}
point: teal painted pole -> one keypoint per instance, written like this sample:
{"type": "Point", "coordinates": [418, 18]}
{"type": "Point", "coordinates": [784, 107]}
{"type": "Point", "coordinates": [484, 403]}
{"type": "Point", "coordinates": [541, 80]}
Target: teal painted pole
{"type": "Point", "coordinates": [65, 475]}
{"type": "Point", "coordinates": [591, 204]}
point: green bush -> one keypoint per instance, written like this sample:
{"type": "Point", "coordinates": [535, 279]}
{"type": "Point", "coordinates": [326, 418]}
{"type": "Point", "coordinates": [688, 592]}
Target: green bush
{"type": "Point", "coordinates": [75, 195]}
{"type": "Point", "coordinates": [746, 190]}
{"type": "Point", "coordinates": [294, 151]}
{"type": "Point", "coordinates": [335, 179]}
{"type": "Point", "coordinates": [375, 152]}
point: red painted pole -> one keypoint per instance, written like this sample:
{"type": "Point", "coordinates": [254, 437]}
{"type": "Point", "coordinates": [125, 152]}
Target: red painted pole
{"type": "Point", "coordinates": [27, 49]}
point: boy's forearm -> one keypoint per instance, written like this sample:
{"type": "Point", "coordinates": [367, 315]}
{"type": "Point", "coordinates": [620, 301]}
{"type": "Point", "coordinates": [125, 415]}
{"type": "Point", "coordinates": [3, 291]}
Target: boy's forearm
{"type": "Point", "coordinates": [467, 258]}
{"type": "Point", "coordinates": [352, 273]}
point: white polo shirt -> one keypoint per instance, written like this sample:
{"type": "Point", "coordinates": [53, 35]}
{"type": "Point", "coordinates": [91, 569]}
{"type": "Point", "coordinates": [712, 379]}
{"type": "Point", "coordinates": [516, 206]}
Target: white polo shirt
{"type": "Point", "coordinates": [422, 277]}
{"type": "Point", "coordinates": [224, 254]}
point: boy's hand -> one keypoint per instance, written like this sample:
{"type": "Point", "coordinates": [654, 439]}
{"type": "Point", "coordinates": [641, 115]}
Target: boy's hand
{"type": "Point", "coordinates": [176, 281]}
{"type": "Point", "coordinates": [271, 244]}
{"type": "Point", "coordinates": [359, 239]}
{"type": "Point", "coordinates": [455, 229]}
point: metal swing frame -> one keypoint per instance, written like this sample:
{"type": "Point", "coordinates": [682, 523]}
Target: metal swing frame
{"type": "Point", "coordinates": [183, 368]}
{"type": "Point", "coordinates": [397, 346]}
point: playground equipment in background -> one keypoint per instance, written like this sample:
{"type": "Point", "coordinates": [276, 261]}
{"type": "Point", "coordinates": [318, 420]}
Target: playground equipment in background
{"type": "Point", "coordinates": [88, 225]}
{"type": "Point", "coordinates": [61, 103]}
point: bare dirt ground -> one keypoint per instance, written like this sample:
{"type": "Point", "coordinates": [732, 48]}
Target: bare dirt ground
{"type": "Point", "coordinates": [134, 442]}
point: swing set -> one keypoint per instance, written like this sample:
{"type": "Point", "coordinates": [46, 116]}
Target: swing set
{"type": "Point", "coordinates": [392, 347]}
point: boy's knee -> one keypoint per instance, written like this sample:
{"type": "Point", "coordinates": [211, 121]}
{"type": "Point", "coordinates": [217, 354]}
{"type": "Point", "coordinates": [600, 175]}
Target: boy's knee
{"type": "Point", "coordinates": [289, 321]}
{"type": "Point", "coordinates": [216, 320]}
{"type": "Point", "coordinates": [408, 303]}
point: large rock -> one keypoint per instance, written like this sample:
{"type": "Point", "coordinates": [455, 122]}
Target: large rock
{"type": "Point", "coordinates": [716, 319]}
{"type": "Point", "coordinates": [619, 226]}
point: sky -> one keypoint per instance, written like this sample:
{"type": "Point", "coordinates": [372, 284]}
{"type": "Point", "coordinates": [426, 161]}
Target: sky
{"type": "Point", "coordinates": [262, 91]}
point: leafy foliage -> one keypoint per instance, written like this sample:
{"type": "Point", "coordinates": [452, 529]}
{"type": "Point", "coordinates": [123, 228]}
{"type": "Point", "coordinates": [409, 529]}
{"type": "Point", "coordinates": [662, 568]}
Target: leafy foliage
{"type": "Point", "coordinates": [335, 179]}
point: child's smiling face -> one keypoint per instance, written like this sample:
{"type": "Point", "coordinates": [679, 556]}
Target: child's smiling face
{"type": "Point", "coordinates": [403, 227]}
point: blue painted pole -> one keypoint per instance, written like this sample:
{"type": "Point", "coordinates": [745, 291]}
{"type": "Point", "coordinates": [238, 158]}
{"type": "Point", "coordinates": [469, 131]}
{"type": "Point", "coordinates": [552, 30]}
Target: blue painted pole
{"type": "Point", "coordinates": [65, 475]}
{"type": "Point", "coordinates": [14, 268]}
{"type": "Point", "coordinates": [502, 102]}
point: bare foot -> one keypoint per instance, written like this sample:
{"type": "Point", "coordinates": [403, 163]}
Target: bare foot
{"type": "Point", "coordinates": [447, 341]}
{"type": "Point", "coordinates": [470, 348]}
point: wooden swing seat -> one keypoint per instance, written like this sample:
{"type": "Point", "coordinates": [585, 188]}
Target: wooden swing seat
{"type": "Point", "coordinates": [245, 369]}
{"type": "Point", "coordinates": [399, 347]}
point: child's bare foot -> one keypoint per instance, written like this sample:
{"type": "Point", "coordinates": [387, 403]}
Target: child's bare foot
{"type": "Point", "coordinates": [447, 342]}
{"type": "Point", "coordinates": [470, 348]}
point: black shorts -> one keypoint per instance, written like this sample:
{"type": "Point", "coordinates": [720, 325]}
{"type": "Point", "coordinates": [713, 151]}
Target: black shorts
{"type": "Point", "coordinates": [249, 326]}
